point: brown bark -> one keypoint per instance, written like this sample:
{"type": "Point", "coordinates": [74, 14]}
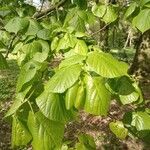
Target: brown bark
{"type": "Point", "coordinates": [46, 12]}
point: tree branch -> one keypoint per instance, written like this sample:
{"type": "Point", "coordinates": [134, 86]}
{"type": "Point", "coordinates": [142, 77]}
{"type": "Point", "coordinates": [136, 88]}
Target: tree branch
{"type": "Point", "coordinates": [45, 12]}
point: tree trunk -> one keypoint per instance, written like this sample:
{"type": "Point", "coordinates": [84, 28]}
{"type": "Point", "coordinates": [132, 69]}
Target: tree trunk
{"type": "Point", "coordinates": [141, 62]}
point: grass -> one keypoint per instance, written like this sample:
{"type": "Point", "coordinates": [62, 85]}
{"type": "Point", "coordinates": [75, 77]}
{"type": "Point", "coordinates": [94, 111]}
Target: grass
{"type": "Point", "coordinates": [8, 78]}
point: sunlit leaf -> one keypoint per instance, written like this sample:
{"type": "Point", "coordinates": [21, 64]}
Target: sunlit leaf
{"type": "Point", "coordinates": [64, 78]}
{"type": "Point", "coordinates": [106, 65]}
{"type": "Point", "coordinates": [47, 134]}
{"type": "Point", "coordinates": [118, 129]}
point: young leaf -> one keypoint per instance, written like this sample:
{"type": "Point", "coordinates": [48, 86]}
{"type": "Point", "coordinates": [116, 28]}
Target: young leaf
{"type": "Point", "coordinates": [86, 142]}
{"type": "Point", "coordinates": [19, 101]}
{"type": "Point", "coordinates": [106, 65]}
{"type": "Point", "coordinates": [20, 134]}
{"type": "Point", "coordinates": [44, 34]}
{"type": "Point", "coordinates": [76, 19]}
{"type": "Point", "coordinates": [54, 43]}
{"type": "Point", "coordinates": [27, 73]}
{"type": "Point", "coordinates": [79, 100]}
{"type": "Point", "coordinates": [64, 78]}
{"type": "Point", "coordinates": [127, 99]}
{"type": "Point", "coordinates": [41, 56]}
{"type": "Point", "coordinates": [141, 120]}
{"type": "Point", "coordinates": [118, 129]}
{"type": "Point", "coordinates": [106, 13]}
{"type": "Point", "coordinates": [16, 24]}
{"type": "Point", "coordinates": [81, 48]}
{"type": "Point", "coordinates": [75, 59]}
{"type": "Point", "coordinates": [131, 9]}
{"type": "Point", "coordinates": [68, 41]}
{"type": "Point", "coordinates": [70, 96]}
{"type": "Point", "coordinates": [53, 107]}
{"type": "Point", "coordinates": [142, 20]}
{"type": "Point", "coordinates": [99, 10]}
{"type": "Point", "coordinates": [111, 15]}
{"type": "Point", "coordinates": [33, 28]}
{"type": "Point", "coordinates": [122, 85]}
{"type": "Point", "coordinates": [47, 134]}
{"type": "Point", "coordinates": [97, 96]}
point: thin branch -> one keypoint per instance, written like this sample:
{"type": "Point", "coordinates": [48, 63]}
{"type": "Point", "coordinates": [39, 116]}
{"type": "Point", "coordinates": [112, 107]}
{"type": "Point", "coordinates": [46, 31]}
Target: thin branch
{"type": "Point", "coordinates": [46, 12]}
{"type": "Point", "coordinates": [103, 28]}
{"type": "Point", "coordinates": [127, 40]}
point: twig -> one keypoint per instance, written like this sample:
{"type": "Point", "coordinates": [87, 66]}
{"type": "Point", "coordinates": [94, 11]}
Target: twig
{"type": "Point", "coordinates": [104, 27]}
{"type": "Point", "coordinates": [127, 40]}
{"type": "Point", "coordinates": [46, 12]}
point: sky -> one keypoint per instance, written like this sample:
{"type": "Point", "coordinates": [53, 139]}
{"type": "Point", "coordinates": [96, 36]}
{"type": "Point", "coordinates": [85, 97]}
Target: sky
{"type": "Point", "coordinates": [36, 1]}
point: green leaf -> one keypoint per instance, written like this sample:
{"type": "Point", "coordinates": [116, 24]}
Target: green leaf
{"type": "Point", "coordinates": [118, 129]}
{"type": "Point", "coordinates": [3, 62]}
{"type": "Point", "coordinates": [106, 13]}
{"type": "Point", "coordinates": [17, 47]}
{"type": "Point", "coordinates": [86, 142]}
{"type": "Point", "coordinates": [71, 95]}
{"type": "Point", "coordinates": [106, 65]}
{"type": "Point", "coordinates": [111, 15]}
{"type": "Point", "coordinates": [33, 28]}
{"type": "Point", "coordinates": [81, 3]}
{"type": "Point", "coordinates": [64, 79]}
{"type": "Point", "coordinates": [138, 90]}
{"type": "Point", "coordinates": [143, 2]}
{"type": "Point", "coordinates": [141, 120]}
{"type": "Point", "coordinates": [16, 24]}
{"type": "Point", "coordinates": [97, 96]}
{"type": "Point", "coordinates": [47, 134]}
{"type": "Point", "coordinates": [75, 59]}
{"type": "Point", "coordinates": [142, 20]}
{"type": "Point", "coordinates": [79, 99]}
{"type": "Point", "coordinates": [127, 99]}
{"type": "Point", "coordinates": [68, 41]}
{"type": "Point", "coordinates": [44, 34]}
{"type": "Point", "coordinates": [122, 85]}
{"type": "Point", "coordinates": [19, 101]}
{"type": "Point", "coordinates": [81, 48]}
{"type": "Point", "coordinates": [37, 51]}
{"type": "Point", "coordinates": [41, 56]}
{"type": "Point", "coordinates": [130, 9]}
{"type": "Point", "coordinates": [27, 73]}
{"type": "Point", "coordinates": [28, 51]}
{"type": "Point", "coordinates": [53, 107]}
{"type": "Point", "coordinates": [76, 19]}
{"type": "Point", "coordinates": [99, 10]}
{"type": "Point", "coordinates": [54, 43]}
{"type": "Point", "coordinates": [20, 133]}
{"type": "Point", "coordinates": [4, 11]}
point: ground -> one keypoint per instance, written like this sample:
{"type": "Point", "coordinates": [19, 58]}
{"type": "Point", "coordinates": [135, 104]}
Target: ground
{"type": "Point", "coordinates": [95, 126]}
